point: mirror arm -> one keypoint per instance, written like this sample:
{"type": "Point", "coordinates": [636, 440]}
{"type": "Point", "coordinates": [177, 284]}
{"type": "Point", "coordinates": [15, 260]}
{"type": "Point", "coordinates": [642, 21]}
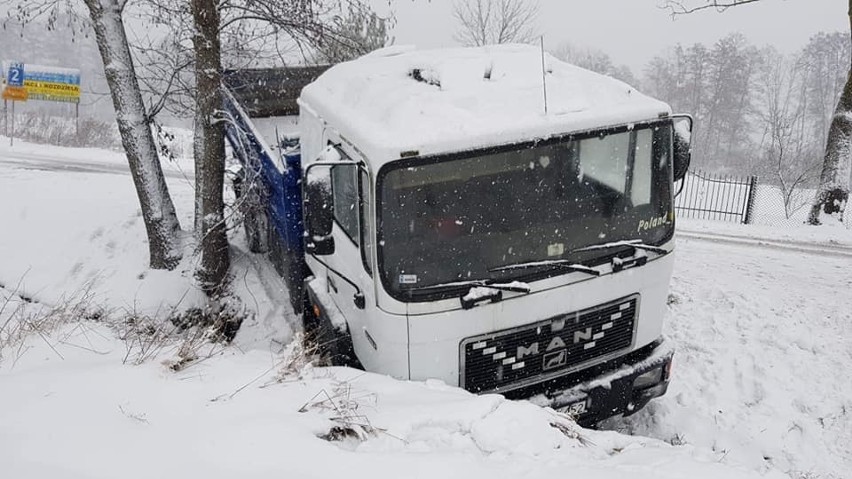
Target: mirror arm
{"type": "Point", "coordinates": [680, 190]}
{"type": "Point", "coordinates": [358, 297]}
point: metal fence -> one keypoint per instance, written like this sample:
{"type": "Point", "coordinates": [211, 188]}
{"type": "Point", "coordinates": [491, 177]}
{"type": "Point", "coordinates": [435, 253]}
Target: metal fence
{"type": "Point", "coordinates": [773, 206]}
{"type": "Point", "coordinates": [717, 197]}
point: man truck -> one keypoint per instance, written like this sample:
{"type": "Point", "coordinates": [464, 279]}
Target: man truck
{"type": "Point", "coordinates": [490, 217]}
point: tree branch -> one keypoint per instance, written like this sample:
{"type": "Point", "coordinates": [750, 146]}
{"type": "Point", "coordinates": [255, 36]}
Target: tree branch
{"type": "Point", "coordinates": [681, 7]}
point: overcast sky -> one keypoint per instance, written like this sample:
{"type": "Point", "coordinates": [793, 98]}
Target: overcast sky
{"type": "Point", "coordinates": [633, 31]}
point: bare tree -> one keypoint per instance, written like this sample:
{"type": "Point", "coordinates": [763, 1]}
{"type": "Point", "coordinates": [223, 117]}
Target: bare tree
{"type": "Point", "coordinates": [489, 22]}
{"type": "Point", "coordinates": [789, 145]}
{"type": "Point", "coordinates": [731, 65]}
{"type": "Point", "coordinates": [833, 193]}
{"type": "Point", "coordinates": [209, 149]}
{"type": "Point", "coordinates": [247, 29]}
{"type": "Point", "coordinates": [105, 17]}
{"type": "Point", "coordinates": [158, 210]}
{"type": "Point", "coordinates": [683, 7]}
{"type": "Point", "coordinates": [594, 60]}
{"type": "Point", "coordinates": [824, 62]}
{"type": "Point", "coordinates": [713, 84]}
{"type": "Point", "coordinates": [364, 31]}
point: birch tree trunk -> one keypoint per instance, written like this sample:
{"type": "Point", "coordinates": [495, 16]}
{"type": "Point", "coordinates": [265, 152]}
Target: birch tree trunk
{"type": "Point", "coordinates": [158, 211]}
{"type": "Point", "coordinates": [833, 194]}
{"type": "Point", "coordinates": [209, 148]}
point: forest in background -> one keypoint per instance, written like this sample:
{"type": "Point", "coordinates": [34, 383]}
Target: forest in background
{"type": "Point", "coordinates": [757, 111]}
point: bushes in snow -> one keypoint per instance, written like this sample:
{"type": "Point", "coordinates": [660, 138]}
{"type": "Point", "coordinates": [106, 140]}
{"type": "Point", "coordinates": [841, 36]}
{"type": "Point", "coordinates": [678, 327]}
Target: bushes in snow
{"type": "Point", "coordinates": [41, 127]}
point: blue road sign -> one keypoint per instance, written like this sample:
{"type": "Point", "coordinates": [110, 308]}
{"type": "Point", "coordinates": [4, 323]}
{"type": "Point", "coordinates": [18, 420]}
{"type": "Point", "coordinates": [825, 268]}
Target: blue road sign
{"type": "Point", "coordinates": [15, 76]}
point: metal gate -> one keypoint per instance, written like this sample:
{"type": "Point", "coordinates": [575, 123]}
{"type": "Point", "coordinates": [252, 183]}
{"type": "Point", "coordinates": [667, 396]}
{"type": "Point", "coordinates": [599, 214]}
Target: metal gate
{"type": "Point", "coordinates": [716, 197]}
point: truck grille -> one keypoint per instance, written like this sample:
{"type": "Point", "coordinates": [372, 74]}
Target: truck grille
{"type": "Point", "coordinates": [518, 357]}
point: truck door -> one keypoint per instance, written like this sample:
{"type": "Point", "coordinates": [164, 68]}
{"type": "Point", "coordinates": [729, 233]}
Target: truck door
{"type": "Point", "coordinates": [354, 234]}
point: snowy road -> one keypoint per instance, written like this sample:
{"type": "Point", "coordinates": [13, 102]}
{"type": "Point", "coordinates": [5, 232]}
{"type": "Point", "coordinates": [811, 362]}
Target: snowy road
{"type": "Point", "coordinates": [29, 160]}
{"type": "Point", "coordinates": [803, 247]}
{"type": "Point", "coordinates": [764, 334]}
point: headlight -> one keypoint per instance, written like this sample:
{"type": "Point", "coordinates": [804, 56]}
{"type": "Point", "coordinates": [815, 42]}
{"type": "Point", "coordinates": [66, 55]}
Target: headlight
{"type": "Point", "coordinates": [651, 378]}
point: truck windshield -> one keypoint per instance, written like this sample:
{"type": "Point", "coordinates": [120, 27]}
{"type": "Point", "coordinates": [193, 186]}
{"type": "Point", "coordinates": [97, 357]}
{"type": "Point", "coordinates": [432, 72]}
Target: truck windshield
{"type": "Point", "coordinates": [458, 217]}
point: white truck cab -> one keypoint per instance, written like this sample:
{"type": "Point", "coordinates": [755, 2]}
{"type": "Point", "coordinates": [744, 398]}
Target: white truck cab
{"type": "Point", "coordinates": [497, 220]}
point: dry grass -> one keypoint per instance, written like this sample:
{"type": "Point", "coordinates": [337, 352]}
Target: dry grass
{"type": "Point", "coordinates": [567, 425]}
{"type": "Point", "coordinates": [300, 355]}
{"type": "Point", "coordinates": [186, 337]}
{"type": "Point", "coordinates": [23, 317]}
{"type": "Point", "coordinates": [345, 408]}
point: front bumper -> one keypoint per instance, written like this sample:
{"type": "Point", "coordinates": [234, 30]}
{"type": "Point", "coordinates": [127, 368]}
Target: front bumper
{"type": "Point", "coordinates": [608, 389]}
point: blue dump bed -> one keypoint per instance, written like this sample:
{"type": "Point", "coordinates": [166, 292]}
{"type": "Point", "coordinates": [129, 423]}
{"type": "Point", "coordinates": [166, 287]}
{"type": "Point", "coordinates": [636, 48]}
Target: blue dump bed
{"type": "Point", "coordinates": [271, 173]}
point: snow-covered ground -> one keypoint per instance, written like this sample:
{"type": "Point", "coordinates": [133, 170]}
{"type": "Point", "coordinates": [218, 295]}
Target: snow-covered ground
{"type": "Point", "coordinates": [764, 339]}
{"type": "Point", "coordinates": [762, 319]}
{"type": "Point", "coordinates": [71, 226]}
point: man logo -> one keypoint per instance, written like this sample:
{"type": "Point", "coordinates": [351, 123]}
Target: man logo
{"type": "Point", "coordinates": [522, 351]}
{"type": "Point", "coordinates": [555, 343]}
{"type": "Point", "coordinates": [555, 359]}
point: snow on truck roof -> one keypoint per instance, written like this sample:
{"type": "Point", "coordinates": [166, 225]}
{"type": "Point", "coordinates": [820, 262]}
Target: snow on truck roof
{"type": "Point", "coordinates": [399, 100]}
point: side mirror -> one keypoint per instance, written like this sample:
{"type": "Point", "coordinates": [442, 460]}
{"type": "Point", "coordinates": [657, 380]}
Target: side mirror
{"type": "Point", "coordinates": [681, 145]}
{"type": "Point", "coordinates": [319, 210]}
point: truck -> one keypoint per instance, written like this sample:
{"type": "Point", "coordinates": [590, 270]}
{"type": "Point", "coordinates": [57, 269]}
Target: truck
{"type": "Point", "coordinates": [490, 217]}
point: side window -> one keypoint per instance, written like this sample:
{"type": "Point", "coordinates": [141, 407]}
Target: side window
{"type": "Point", "coordinates": [346, 207]}
{"type": "Point", "coordinates": [366, 221]}
{"type": "Point", "coordinates": [640, 193]}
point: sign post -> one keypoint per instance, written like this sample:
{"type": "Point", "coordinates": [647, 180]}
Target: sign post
{"type": "Point", "coordinates": [14, 91]}
{"type": "Point", "coordinates": [37, 82]}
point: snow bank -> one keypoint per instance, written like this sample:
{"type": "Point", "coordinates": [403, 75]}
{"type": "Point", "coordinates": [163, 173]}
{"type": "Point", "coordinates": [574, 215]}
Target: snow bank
{"type": "Point", "coordinates": [88, 416]}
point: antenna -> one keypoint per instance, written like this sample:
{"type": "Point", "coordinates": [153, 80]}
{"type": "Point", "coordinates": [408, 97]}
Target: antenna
{"type": "Point", "coordinates": [543, 75]}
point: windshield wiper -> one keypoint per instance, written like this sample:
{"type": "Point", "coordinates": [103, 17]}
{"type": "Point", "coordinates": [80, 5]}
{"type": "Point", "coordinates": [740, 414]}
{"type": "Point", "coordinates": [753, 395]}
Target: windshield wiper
{"type": "Point", "coordinates": [515, 286]}
{"type": "Point", "coordinates": [619, 264]}
{"type": "Point", "coordinates": [635, 244]}
{"type": "Point", "coordinates": [556, 263]}
{"type": "Point", "coordinates": [478, 290]}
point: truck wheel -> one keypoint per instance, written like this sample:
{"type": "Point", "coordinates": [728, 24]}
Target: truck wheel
{"type": "Point", "coordinates": [255, 221]}
{"type": "Point", "coordinates": [257, 231]}
{"type": "Point", "coordinates": [334, 346]}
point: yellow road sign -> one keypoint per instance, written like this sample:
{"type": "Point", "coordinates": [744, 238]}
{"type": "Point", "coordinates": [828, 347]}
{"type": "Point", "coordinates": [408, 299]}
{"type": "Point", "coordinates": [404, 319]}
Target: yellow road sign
{"type": "Point", "coordinates": [52, 91]}
{"type": "Point", "coordinates": [15, 93]}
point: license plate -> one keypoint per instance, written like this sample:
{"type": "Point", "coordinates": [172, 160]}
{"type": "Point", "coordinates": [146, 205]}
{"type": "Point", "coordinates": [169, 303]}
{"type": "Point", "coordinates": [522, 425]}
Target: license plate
{"type": "Point", "coordinates": [574, 409]}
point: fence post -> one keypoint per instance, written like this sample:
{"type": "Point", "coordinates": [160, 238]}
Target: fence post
{"type": "Point", "coordinates": [752, 193]}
